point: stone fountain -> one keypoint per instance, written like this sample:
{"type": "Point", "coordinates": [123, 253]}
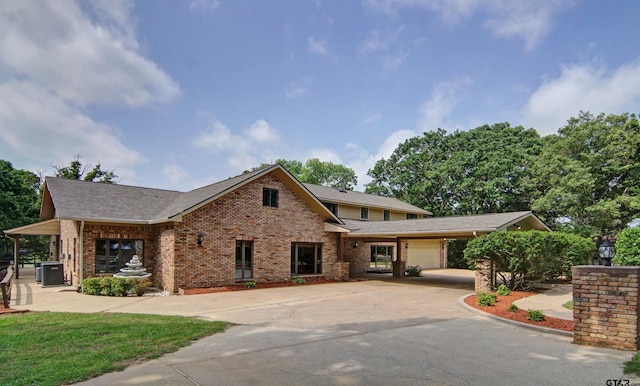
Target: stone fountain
{"type": "Point", "coordinates": [133, 270]}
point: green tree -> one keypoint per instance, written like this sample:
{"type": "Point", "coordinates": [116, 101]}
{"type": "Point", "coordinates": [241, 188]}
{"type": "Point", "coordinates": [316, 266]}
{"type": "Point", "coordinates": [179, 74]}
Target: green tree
{"type": "Point", "coordinates": [628, 247]}
{"type": "Point", "coordinates": [484, 170]}
{"type": "Point", "coordinates": [76, 171]}
{"type": "Point", "coordinates": [19, 201]}
{"type": "Point", "coordinates": [317, 172]}
{"type": "Point", "coordinates": [588, 175]}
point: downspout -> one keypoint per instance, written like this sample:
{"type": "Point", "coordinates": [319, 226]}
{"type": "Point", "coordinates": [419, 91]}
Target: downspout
{"type": "Point", "coordinates": [81, 238]}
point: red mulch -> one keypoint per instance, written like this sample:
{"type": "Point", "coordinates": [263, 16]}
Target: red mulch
{"type": "Point", "coordinates": [9, 310]}
{"type": "Point", "coordinates": [241, 287]}
{"type": "Point", "coordinates": [500, 309]}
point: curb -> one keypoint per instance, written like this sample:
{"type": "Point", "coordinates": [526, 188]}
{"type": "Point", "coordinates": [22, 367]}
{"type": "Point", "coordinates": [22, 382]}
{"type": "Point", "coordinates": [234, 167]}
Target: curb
{"type": "Point", "coordinates": [513, 322]}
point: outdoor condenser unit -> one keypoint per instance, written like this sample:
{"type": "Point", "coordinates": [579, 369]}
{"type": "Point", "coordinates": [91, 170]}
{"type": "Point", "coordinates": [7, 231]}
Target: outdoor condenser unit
{"type": "Point", "coordinates": [52, 273]}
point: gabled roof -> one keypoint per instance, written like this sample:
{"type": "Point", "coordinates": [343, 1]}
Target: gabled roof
{"type": "Point", "coordinates": [349, 197]}
{"type": "Point", "coordinates": [461, 226]}
{"type": "Point", "coordinates": [91, 201]}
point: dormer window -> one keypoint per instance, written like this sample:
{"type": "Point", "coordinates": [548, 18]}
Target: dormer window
{"type": "Point", "coordinates": [364, 213]}
{"type": "Point", "coordinates": [270, 197]}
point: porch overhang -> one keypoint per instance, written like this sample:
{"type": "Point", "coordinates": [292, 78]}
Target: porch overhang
{"type": "Point", "coordinates": [42, 228]}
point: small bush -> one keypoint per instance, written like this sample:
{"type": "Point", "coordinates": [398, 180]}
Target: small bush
{"type": "Point", "coordinates": [139, 287]}
{"type": "Point", "coordinates": [535, 315]}
{"type": "Point", "coordinates": [250, 284]}
{"type": "Point", "coordinates": [114, 286]}
{"type": "Point", "coordinates": [503, 290]}
{"type": "Point", "coordinates": [298, 280]}
{"type": "Point", "coordinates": [568, 305]}
{"type": "Point", "coordinates": [91, 286]}
{"type": "Point", "coordinates": [633, 366]}
{"type": "Point", "coordinates": [512, 307]}
{"type": "Point", "coordinates": [628, 247]}
{"type": "Point", "coordinates": [413, 270]}
{"type": "Point", "coordinates": [485, 299]}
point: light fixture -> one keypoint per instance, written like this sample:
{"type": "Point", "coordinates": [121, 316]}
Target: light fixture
{"type": "Point", "coordinates": [355, 244]}
{"type": "Point", "coordinates": [607, 250]}
{"type": "Point", "coordinates": [200, 238]}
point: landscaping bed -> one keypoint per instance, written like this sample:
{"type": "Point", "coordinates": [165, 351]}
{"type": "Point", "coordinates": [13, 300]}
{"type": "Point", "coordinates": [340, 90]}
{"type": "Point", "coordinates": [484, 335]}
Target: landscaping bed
{"type": "Point", "coordinates": [500, 309]}
{"type": "Point", "coordinates": [242, 287]}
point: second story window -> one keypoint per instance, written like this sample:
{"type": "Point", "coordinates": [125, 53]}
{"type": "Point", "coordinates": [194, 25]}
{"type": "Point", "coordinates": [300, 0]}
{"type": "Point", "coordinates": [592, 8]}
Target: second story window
{"type": "Point", "coordinates": [270, 197]}
{"type": "Point", "coordinates": [387, 215]}
{"type": "Point", "coordinates": [332, 207]}
{"type": "Point", "coordinates": [364, 213]}
{"type": "Point", "coordinates": [411, 216]}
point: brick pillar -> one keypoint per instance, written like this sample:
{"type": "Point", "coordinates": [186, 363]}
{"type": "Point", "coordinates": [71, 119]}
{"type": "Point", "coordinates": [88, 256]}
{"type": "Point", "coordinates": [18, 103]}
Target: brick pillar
{"type": "Point", "coordinates": [605, 306]}
{"type": "Point", "coordinates": [483, 276]}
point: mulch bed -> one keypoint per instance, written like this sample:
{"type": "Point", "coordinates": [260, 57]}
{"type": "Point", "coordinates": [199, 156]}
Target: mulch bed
{"type": "Point", "coordinates": [500, 310]}
{"type": "Point", "coordinates": [241, 287]}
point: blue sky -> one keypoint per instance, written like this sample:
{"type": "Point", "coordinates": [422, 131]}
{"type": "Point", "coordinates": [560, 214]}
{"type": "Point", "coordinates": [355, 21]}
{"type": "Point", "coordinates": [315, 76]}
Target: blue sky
{"type": "Point", "coordinates": [178, 94]}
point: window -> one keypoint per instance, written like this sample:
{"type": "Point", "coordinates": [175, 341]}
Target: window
{"type": "Point", "coordinates": [332, 207]}
{"type": "Point", "coordinates": [387, 215]}
{"type": "Point", "coordinates": [381, 256]}
{"type": "Point", "coordinates": [306, 258]}
{"type": "Point", "coordinates": [270, 197]}
{"type": "Point", "coordinates": [411, 216]}
{"type": "Point", "coordinates": [244, 260]}
{"type": "Point", "coordinates": [111, 255]}
{"type": "Point", "coordinates": [364, 213]}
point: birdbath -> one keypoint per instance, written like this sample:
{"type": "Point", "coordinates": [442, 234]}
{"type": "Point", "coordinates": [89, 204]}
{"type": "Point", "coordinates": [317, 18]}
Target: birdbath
{"type": "Point", "coordinates": [133, 270]}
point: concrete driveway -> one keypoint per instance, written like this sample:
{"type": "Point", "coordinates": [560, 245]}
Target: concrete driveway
{"type": "Point", "coordinates": [409, 332]}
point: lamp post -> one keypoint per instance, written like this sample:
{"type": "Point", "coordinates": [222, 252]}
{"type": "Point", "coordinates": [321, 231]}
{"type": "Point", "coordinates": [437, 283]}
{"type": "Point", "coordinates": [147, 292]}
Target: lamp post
{"type": "Point", "coordinates": [596, 256]}
{"type": "Point", "coordinates": [607, 250]}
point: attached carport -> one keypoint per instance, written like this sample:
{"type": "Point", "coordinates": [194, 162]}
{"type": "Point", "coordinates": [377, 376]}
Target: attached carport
{"type": "Point", "coordinates": [423, 242]}
{"type": "Point", "coordinates": [43, 228]}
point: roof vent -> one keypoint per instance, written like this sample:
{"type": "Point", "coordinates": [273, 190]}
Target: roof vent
{"type": "Point", "coordinates": [341, 190]}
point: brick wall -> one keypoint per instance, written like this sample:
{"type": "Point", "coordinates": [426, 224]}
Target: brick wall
{"type": "Point", "coordinates": [239, 215]}
{"type": "Point", "coordinates": [68, 252]}
{"type": "Point", "coordinates": [605, 306]}
{"type": "Point", "coordinates": [483, 276]}
{"type": "Point", "coordinates": [115, 231]}
{"type": "Point", "coordinates": [359, 258]}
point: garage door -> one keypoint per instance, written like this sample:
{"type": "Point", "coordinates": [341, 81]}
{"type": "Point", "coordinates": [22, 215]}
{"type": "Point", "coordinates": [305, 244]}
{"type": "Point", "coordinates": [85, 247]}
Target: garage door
{"type": "Point", "coordinates": [425, 253]}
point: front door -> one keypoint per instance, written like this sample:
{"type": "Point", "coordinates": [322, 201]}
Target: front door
{"type": "Point", "coordinates": [244, 260]}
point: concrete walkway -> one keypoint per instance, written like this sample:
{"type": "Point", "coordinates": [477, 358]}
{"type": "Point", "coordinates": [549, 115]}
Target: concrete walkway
{"type": "Point", "coordinates": [376, 332]}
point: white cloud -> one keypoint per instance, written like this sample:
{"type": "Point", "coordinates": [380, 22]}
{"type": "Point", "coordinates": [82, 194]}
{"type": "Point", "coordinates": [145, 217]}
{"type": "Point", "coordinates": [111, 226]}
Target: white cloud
{"type": "Point", "coordinates": [261, 132]}
{"type": "Point", "coordinates": [392, 62]}
{"type": "Point", "coordinates": [174, 173]}
{"type": "Point", "coordinates": [361, 160]}
{"type": "Point", "coordinates": [325, 155]}
{"type": "Point", "coordinates": [528, 20]}
{"type": "Point", "coordinates": [58, 57]}
{"type": "Point", "coordinates": [207, 5]}
{"type": "Point", "coordinates": [295, 90]}
{"type": "Point", "coordinates": [318, 47]}
{"type": "Point", "coordinates": [444, 99]}
{"type": "Point", "coordinates": [36, 123]}
{"type": "Point", "coordinates": [372, 118]}
{"type": "Point", "coordinates": [582, 87]}
{"type": "Point", "coordinates": [82, 60]}
{"type": "Point", "coordinates": [243, 150]}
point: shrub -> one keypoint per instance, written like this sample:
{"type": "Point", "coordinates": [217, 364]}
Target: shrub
{"type": "Point", "coordinates": [114, 286]}
{"type": "Point", "coordinates": [140, 286]}
{"type": "Point", "coordinates": [413, 270]}
{"type": "Point", "coordinates": [91, 286]}
{"type": "Point", "coordinates": [535, 315]}
{"type": "Point", "coordinates": [486, 299]}
{"type": "Point", "coordinates": [503, 290]}
{"type": "Point", "coordinates": [521, 257]}
{"type": "Point", "coordinates": [512, 307]}
{"type": "Point", "coordinates": [250, 284]}
{"type": "Point", "coordinates": [633, 366]}
{"type": "Point", "coordinates": [628, 247]}
{"type": "Point", "coordinates": [298, 280]}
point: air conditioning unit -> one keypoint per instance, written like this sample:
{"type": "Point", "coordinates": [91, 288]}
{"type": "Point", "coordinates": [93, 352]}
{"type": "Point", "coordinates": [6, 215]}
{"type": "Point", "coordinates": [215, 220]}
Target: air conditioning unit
{"type": "Point", "coordinates": [52, 273]}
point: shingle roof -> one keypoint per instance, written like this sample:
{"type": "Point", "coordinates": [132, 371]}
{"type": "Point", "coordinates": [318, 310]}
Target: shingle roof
{"type": "Point", "coordinates": [90, 200]}
{"type": "Point", "coordinates": [362, 199]}
{"type": "Point", "coordinates": [439, 225]}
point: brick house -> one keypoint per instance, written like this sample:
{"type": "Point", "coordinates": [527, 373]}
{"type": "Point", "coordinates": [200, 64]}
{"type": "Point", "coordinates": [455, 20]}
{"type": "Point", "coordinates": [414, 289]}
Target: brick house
{"type": "Point", "coordinates": [263, 225]}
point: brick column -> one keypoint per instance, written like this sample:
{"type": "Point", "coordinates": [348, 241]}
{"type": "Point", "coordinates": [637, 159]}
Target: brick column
{"type": "Point", "coordinates": [605, 306]}
{"type": "Point", "coordinates": [483, 276]}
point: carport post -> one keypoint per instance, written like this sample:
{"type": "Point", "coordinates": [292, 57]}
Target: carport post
{"type": "Point", "coordinates": [16, 255]}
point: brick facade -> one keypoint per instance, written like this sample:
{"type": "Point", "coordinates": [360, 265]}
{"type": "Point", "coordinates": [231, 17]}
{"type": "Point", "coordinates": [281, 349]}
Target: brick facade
{"type": "Point", "coordinates": [605, 306]}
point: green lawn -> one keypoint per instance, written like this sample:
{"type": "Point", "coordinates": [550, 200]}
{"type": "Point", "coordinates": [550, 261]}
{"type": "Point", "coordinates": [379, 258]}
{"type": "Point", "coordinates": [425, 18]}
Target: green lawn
{"type": "Point", "coordinates": [55, 348]}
